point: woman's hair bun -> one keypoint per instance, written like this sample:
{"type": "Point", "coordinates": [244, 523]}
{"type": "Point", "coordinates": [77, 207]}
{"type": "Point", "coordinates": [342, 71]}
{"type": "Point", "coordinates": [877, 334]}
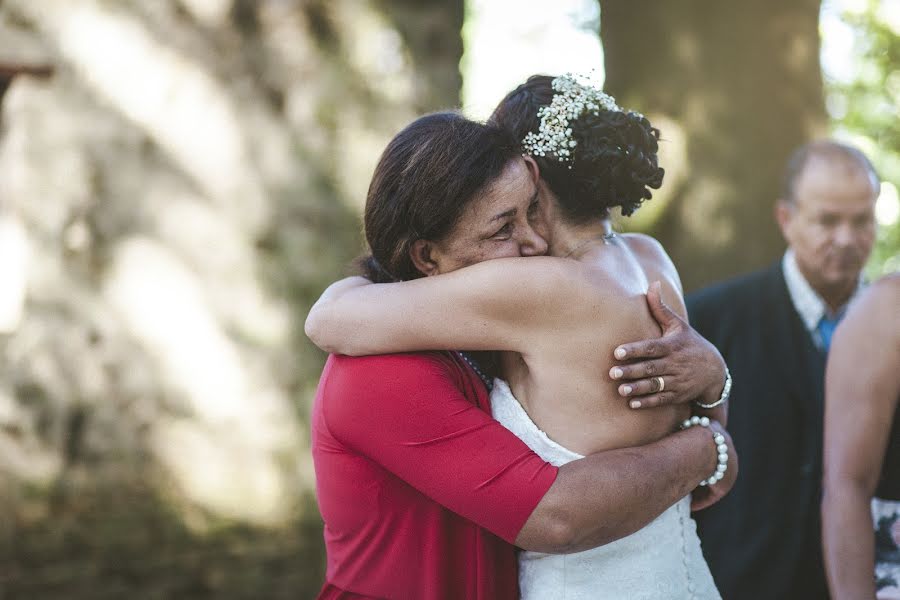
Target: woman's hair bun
{"type": "Point", "coordinates": [614, 164]}
{"type": "Point", "coordinates": [593, 154]}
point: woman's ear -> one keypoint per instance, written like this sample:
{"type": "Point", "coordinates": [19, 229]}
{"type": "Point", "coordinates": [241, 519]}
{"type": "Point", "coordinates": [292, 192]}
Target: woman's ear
{"type": "Point", "coordinates": [421, 253]}
{"type": "Point", "coordinates": [533, 169]}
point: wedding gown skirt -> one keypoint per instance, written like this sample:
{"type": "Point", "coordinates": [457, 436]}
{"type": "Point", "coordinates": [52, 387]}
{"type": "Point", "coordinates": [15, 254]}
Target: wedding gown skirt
{"type": "Point", "coordinates": [662, 561]}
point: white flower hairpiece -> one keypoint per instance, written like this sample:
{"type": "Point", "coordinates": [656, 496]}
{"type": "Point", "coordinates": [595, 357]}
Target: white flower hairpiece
{"type": "Point", "coordinates": [574, 95]}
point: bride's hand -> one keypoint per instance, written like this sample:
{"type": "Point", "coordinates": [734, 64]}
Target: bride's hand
{"type": "Point", "coordinates": [706, 496]}
{"type": "Point", "coordinates": [680, 366]}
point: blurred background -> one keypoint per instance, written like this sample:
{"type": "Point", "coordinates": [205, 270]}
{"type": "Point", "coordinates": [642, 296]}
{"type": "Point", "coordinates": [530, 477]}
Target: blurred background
{"type": "Point", "coordinates": [179, 180]}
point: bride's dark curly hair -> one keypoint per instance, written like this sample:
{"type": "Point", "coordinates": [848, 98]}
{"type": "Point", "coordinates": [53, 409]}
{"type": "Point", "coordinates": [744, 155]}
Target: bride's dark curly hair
{"type": "Point", "coordinates": [613, 164]}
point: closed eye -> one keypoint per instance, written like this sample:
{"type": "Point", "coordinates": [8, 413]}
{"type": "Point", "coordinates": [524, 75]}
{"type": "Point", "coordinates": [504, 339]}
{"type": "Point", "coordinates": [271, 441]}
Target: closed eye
{"type": "Point", "coordinates": [504, 232]}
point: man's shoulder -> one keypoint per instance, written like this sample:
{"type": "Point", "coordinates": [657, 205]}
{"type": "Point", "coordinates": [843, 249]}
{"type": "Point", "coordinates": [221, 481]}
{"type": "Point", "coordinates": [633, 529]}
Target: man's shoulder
{"type": "Point", "coordinates": [739, 291]}
{"type": "Point", "coordinates": [721, 310]}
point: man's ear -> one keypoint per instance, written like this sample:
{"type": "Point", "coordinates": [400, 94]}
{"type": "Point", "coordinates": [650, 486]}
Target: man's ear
{"type": "Point", "coordinates": [533, 169]}
{"type": "Point", "coordinates": [783, 210]}
{"type": "Point", "coordinates": [421, 255]}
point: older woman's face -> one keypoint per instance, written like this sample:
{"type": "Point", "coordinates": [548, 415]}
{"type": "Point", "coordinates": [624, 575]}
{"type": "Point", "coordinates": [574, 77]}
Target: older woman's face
{"type": "Point", "coordinates": [505, 221]}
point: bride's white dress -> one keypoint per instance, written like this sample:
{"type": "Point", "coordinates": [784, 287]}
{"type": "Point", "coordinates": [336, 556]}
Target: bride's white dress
{"type": "Point", "coordinates": [662, 561]}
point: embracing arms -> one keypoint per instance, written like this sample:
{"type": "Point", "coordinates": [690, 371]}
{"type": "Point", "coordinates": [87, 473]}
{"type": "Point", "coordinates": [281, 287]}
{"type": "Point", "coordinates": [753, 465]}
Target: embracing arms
{"type": "Point", "coordinates": [862, 388]}
{"type": "Point", "coordinates": [493, 305]}
{"type": "Point", "coordinates": [356, 317]}
{"type": "Point", "coordinates": [612, 494]}
{"type": "Point", "coordinates": [407, 413]}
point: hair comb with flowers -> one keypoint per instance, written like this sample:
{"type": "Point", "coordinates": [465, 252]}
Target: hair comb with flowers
{"type": "Point", "coordinates": [574, 94]}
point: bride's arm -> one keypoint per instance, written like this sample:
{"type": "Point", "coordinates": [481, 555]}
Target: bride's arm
{"type": "Point", "coordinates": [494, 305]}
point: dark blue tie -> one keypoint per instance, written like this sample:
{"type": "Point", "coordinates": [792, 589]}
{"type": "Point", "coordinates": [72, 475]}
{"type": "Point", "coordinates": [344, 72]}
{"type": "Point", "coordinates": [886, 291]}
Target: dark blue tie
{"type": "Point", "coordinates": [826, 330]}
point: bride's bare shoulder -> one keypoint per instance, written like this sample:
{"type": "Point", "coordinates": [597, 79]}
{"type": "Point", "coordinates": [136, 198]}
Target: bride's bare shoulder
{"type": "Point", "coordinates": [643, 243]}
{"type": "Point", "coordinates": [653, 258]}
{"type": "Point", "coordinates": [647, 248]}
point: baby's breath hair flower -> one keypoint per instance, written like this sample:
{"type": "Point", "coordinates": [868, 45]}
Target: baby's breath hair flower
{"type": "Point", "coordinates": [574, 95]}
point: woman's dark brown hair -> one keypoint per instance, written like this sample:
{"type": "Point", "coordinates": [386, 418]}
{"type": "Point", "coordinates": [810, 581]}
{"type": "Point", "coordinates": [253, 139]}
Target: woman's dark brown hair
{"type": "Point", "coordinates": [424, 180]}
{"type": "Point", "coordinates": [614, 163]}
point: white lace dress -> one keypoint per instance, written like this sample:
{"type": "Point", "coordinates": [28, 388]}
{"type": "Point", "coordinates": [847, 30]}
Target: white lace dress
{"type": "Point", "coordinates": [662, 561]}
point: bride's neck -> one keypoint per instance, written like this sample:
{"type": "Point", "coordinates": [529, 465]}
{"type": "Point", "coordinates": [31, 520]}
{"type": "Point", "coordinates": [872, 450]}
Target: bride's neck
{"type": "Point", "coordinates": [571, 240]}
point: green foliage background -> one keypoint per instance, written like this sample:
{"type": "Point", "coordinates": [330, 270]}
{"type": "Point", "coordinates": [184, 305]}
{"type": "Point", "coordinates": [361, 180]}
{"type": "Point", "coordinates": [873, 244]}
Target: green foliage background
{"type": "Point", "coordinates": [866, 107]}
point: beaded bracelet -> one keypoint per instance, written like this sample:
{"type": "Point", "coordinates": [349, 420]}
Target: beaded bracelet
{"type": "Point", "coordinates": [721, 449]}
{"type": "Point", "coordinates": [726, 392]}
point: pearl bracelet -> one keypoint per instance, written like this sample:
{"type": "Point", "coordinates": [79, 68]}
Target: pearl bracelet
{"type": "Point", "coordinates": [726, 392]}
{"type": "Point", "coordinates": [721, 449]}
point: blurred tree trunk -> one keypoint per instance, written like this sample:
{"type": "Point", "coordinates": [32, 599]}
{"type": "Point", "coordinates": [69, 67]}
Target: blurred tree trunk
{"type": "Point", "coordinates": [734, 87]}
{"type": "Point", "coordinates": [173, 199]}
{"type": "Point", "coordinates": [432, 30]}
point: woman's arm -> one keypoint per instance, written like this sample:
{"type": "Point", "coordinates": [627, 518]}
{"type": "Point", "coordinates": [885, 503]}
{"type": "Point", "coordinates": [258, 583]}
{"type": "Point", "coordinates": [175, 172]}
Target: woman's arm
{"type": "Point", "coordinates": [494, 305]}
{"type": "Point", "coordinates": [862, 386]}
{"type": "Point", "coordinates": [606, 496]}
{"type": "Point", "coordinates": [408, 414]}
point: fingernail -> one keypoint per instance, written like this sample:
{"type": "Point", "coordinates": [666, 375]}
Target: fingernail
{"type": "Point", "coordinates": [615, 373]}
{"type": "Point", "coordinates": [626, 389]}
{"type": "Point", "coordinates": [620, 353]}
{"type": "Point", "coordinates": [635, 404]}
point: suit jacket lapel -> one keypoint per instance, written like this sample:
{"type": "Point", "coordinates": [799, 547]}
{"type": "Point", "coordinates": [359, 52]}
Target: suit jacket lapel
{"type": "Point", "coordinates": [785, 336]}
{"type": "Point", "coordinates": [800, 364]}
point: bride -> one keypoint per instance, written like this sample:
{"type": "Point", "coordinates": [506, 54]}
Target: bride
{"type": "Point", "coordinates": [555, 318]}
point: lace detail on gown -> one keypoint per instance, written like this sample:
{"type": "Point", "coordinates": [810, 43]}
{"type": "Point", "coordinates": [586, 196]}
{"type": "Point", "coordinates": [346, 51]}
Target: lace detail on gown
{"type": "Point", "coordinates": [662, 561]}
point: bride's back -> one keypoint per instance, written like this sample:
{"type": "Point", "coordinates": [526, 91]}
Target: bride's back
{"type": "Point", "coordinates": [563, 382]}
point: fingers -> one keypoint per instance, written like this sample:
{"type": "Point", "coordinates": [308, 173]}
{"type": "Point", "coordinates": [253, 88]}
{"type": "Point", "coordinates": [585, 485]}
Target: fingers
{"type": "Point", "coordinates": [652, 400]}
{"type": "Point", "coordinates": [663, 315]}
{"type": "Point", "coordinates": [641, 370]}
{"type": "Point", "coordinates": [646, 389]}
{"type": "Point", "coordinates": [653, 348]}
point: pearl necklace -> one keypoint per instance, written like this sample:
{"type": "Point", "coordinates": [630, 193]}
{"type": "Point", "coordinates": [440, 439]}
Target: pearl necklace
{"type": "Point", "coordinates": [489, 383]}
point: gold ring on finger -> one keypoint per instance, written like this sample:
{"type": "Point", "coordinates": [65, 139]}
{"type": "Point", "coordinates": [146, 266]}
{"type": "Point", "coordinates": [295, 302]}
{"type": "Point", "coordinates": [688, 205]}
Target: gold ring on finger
{"type": "Point", "coordinates": [661, 382]}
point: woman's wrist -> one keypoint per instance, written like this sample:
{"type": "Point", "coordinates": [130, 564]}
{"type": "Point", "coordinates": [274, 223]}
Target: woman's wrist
{"type": "Point", "coordinates": [719, 398]}
{"type": "Point", "coordinates": [700, 460]}
{"type": "Point", "coordinates": [716, 474]}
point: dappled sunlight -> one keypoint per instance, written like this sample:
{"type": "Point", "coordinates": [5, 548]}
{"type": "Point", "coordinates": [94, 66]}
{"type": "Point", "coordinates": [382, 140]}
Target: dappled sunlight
{"type": "Point", "coordinates": [673, 157]}
{"type": "Point", "coordinates": [211, 13]}
{"type": "Point", "coordinates": [222, 473]}
{"type": "Point", "coordinates": [508, 40]}
{"type": "Point", "coordinates": [215, 251]}
{"type": "Point", "coordinates": [13, 271]}
{"type": "Point", "coordinates": [686, 47]}
{"type": "Point", "coordinates": [22, 455]}
{"type": "Point", "coordinates": [177, 103]}
{"type": "Point", "coordinates": [887, 207]}
{"type": "Point", "coordinates": [704, 218]}
{"type": "Point", "coordinates": [182, 187]}
{"type": "Point", "coordinates": [231, 410]}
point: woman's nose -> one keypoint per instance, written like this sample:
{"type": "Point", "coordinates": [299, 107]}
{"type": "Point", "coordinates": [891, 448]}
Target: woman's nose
{"type": "Point", "coordinates": [533, 244]}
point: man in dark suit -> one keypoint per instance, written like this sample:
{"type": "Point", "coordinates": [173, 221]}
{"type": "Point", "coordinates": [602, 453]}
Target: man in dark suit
{"type": "Point", "coordinates": [773, 327]}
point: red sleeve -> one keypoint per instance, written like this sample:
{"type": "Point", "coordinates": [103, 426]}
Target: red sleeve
{"type": "Point", "coordinates": [406, 413]}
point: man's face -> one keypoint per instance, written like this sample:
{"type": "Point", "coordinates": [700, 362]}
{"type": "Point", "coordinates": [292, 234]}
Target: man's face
{"type": "Point", "coordinates": [504, 221]}
{"type": "Point", "coordinates": [831, 223]}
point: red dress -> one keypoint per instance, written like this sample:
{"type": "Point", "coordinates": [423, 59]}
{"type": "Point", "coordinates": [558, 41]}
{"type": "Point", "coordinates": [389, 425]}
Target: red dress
{"type": "Point", "coordinates": [422, 492]}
